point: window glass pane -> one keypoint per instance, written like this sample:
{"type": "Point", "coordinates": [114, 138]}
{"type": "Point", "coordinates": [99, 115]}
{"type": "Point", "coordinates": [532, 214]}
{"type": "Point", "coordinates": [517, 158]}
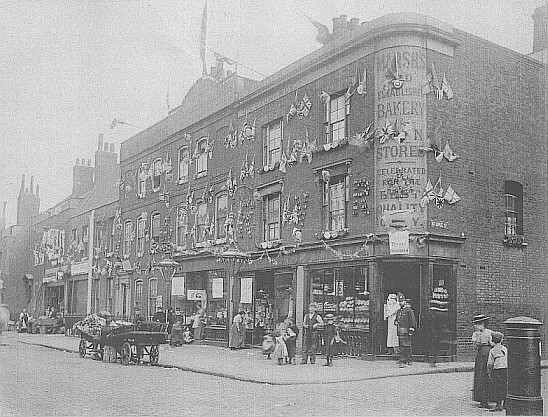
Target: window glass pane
{"type": "Point", "coordinates": [184, 159]}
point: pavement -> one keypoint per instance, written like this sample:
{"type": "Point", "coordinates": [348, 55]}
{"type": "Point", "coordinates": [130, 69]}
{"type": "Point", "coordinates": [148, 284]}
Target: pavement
{"type": "Point", "coordinates": [249, 365]}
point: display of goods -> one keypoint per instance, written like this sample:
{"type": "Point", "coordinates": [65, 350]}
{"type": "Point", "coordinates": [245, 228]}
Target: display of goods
{"type": "Point", "coordinates": [91, 325]}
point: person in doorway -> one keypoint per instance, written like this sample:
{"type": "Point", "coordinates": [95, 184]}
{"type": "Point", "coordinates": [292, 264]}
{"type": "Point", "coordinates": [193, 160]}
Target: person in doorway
{"type": "Point", "coordinates": [390, 309]}
{"type": "Point", "coordinates": [170, 320]}
{"type": "Point", "coordinates": [311, 322]}
{"type": "Point", "coordinates": [434, 324]}
{"type": "Point", "coordinates": [482, 341]}
{"type": "Point", "coordinates": [497, 369]}
{"type": "Point", "coordinates": [405, 324]}
{"type": "Point", "coordinates": [236, 338]}
{"type": "Point", "coordinates": [198, 323]}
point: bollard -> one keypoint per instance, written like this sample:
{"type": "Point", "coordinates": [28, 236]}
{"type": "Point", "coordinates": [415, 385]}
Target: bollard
{"type": "Point", "coordinates": [523, 342]}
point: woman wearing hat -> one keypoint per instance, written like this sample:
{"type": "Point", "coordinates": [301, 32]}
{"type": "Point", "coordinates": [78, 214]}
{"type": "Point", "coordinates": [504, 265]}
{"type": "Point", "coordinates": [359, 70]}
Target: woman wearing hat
{"type": "Point", "coordinates": [482, 341]}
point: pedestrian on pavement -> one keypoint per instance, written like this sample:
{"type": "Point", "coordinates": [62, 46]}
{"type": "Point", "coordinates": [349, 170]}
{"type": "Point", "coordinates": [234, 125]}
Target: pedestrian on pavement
{"type": "Point", "coordinates": [482, 341]}
{"type": "Point", "coordinates": [23, 321]}
{"type": "Point", "coordinates": [405, 323]}
{"type": "Point", "coordinates": [170, 320]}
{"type": "Point", "coordinates": [390, 309]}
{"type": "Point", "coordinates": [160, 315]}
{"type": "Point", "coordinates": [198, 323]}
{"type": "Point", "coordinates": [236, 338]}
{"type": "Point", "coordinates": [280, 350]}
{"type": "Point", "coordinates": [311, 322]}
{"type": "Point", "coordinates": [292, 332]}
{"type": "Point", "coordinates": [433, 325]}
{"type": "Point", "coordinates": [497, 369]}
{"type": "Point", "coordinates": [330, 332]}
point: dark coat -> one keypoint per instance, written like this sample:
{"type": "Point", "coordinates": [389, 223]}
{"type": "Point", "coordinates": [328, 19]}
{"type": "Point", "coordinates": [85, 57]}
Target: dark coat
{"type": "Point", "coordinates": [405, 323]}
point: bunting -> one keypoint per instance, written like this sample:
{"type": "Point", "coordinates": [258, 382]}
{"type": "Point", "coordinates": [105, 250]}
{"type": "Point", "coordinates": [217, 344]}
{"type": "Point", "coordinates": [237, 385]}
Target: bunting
{"type": "Point", "coordinates": [365, 138]}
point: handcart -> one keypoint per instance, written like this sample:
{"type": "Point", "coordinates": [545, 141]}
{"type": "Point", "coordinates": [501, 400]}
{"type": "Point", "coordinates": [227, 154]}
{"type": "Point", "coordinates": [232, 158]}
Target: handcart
{"type": "Point", "coordinates": [131, 342]}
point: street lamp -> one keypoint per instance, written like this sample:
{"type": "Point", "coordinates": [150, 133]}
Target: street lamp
{"type": "Point", "coordinates": [232, 258]}
{"type": "Point", "coordinates": [167, 267]}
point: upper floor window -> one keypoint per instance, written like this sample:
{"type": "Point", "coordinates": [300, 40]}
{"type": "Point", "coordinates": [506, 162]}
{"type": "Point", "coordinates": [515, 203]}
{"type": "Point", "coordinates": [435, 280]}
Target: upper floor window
{"type": "Point", "coordinates": [184, 161]}
{"type": "Point", "coordinates": [272, 142]}
{"type": "Point", "coordinates": [128, 230]}
{"type": "Point", "coordinates": [85, 239]}
{"type": "Point", "coordinates": [335, 118]}
{"type": "Point", "coordinates": [156, 174]}
{"type": "Point", "coordinates": [202, 155]}
{"type": "Point", "coordinates": [182, 226]}
{"type": "Point", "coordinates": [142, 181]}
{"type": "Point", "coordinates": [335, 203]}
{"type": "Point", "coordinates": [271, 217]}
{"type": "Point", "coordinates": [221, 214]}
{"type": "Point", "coordinates": [202, 222]}
{"type": "Point", "coordinates": [152, 294]}
{"type": "Point", "coordinates": [141, 226]}
{"type": "Point", "coordinates": [513, 194]}
{"type": "Point", "coordinates": [155, 227]}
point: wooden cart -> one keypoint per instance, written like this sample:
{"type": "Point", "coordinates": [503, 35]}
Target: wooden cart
{"type": "Point", "coordinates": [131, 343]}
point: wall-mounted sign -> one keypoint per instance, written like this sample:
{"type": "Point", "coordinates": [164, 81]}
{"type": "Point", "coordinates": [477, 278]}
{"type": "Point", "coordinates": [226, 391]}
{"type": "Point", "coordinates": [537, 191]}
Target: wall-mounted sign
{"type": "Point", "coordinates": [437, 223]}
{"type": "Point", "coordinates": [217, 288]}
{"type": "Point", "coordinates": [196, 295]}
{"type": "Point", "coordinates": [399, 242]}
{"type": "Point", "coordinates": [178, 286]}
{"type": "Point", "coordinates": [246, 296]}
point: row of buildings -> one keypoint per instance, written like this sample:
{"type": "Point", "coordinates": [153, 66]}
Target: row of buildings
{"type": "Point", "coordinates": [403, 155]}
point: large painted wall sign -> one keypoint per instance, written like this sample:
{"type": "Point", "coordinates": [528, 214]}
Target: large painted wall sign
{"type": "Point", "coordinates": [400, 169]}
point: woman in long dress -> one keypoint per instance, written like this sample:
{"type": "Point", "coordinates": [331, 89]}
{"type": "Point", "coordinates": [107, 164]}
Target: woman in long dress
{"type": "Point", "coordinates": [482, 340]}
{"type": "Point", "coordinates": [236, 338]}
{"type": "Point", "coordinates": [390, 309]}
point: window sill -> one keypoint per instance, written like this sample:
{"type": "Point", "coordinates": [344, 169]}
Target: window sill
{"type": "Point", "coordinates": [182, 180]}
{"type": "Point", "coordinates": [334, 234]}
{"type": "Point", "coordinates": [516, 241]}
{"type": "Point", "coordinates": [200, 175]}
{"type": "Point", "coordinates": [270, 244]}
{"type": "Point", "coordinates": [334, 144]}
{"type": "Point", "coordinates": [269, 167]}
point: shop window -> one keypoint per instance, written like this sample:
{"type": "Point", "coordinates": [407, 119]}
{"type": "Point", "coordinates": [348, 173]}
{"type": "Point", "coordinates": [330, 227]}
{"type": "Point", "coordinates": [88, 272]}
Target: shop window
{"type": "Point", "coordinates": [272, 142]}
{"type": "Point", "coordinates": [184, 161]}
{"type": "Point", "coordinates": [139, 294]}
{"type": "Point", "coordinates": [202, 155]}
{"type": "Point", "coordinates": [155, 227]}
{"type": "Point", "coordinates": [335, 118]}
{"type": "Point", "coordinates": [128, 229]}
{"type": "Point", "coordinates": [182, 226]}
{"type": "Point", "coordinates": [152, 294]}
{"type": "Point", "coordinates": [335, 203]}
{"type": "Point", "coordinates": [141, 225]}
{"type": "Point", "coordinates": [202, 222]}
{"type": "Point", "coordinates": [156, 174]}
{"type": "Point", "coordinates": [513, 194]}
{"type": "Point", "coordinates": [216, 304]}
{"type": "Point", "coordinates": [221, 208]}
{"type": "Point", "coordinates": [271, 217]}
{"type": "Point", "coordinates": [343, 292]}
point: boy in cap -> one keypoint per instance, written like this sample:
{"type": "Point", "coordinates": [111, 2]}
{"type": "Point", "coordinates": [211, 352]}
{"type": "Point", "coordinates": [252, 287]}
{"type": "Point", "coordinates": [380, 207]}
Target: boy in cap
{"type": "Point", "coordinates": [497, 369]}
{"type": "Point", "coordinates": [405, 323]}
{"type": "Point", "coordinates": [330, 333]}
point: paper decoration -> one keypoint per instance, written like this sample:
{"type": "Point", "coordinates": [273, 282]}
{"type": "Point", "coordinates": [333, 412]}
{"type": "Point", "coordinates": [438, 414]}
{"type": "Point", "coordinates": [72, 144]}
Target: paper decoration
{"type": "Point", "coordinates": [365, 138]}
{"type": "Point", "coordinates": [293, 109]}
{"type": "Point", "coordinates": [230, 183]}
{"type": "Point", "coordinates": [326, 176]}
{"type": "Point", "coordinates": [283, 163]}
{"type": "Point", "coordinates": [400, 130]}
{"type": "Point", "coordinates": [248, 169]}
{"type": "Point", "coordinates": [448, 153]}
{"type": "Point", "coordinates": [440, 88]}
{"type": "Point", "coordinates": [451, 196]}
{"type": "Point", "coordinates": [231, 139]}
{"type": "Point", "coordinates": [248, 131]}
{"type": "Point", "coordinates": [386, 132]}
{"type": "Point", "coordinates": [209, 192]}
{"type": "Point", "coordinates": [297, 235]}
{"type": "Point", "coordinates": [301, 109]}
{"type": "Point", "coordinates": [362, 83]}
{"type": "Point", "coordinates": [393, 78]}
{"type": "Point", "coordinates": [324, 97]}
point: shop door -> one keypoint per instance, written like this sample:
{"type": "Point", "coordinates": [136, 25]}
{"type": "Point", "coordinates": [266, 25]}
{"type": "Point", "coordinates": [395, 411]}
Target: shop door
{"type": "Point", "coordinates": [398, 277]}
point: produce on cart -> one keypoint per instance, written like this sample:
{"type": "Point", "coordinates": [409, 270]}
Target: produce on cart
{"type": "Point", "coordinates": [130, 342]}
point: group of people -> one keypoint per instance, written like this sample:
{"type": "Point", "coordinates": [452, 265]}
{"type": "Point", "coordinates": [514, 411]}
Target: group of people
{"type": "Point", "coordinates": [401, 326]}
{"type": "Point", "coordinates": [491, 366]}
{"type": "Point", "coordinates": [182, 333]}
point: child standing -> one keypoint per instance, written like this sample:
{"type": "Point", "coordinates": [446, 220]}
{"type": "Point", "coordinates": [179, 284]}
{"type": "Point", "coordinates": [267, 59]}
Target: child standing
{"type": "Point", "coordinates": [280, 350]}
{"type": "Point", "coordinates": [291, 341]}
{"type": "Point", "coordinates": [330, 333]}
{"type": "Point", "coordinates": [497, 368]}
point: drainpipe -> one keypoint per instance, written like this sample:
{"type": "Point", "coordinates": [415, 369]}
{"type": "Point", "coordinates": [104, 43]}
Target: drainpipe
{"type": "Point", "coordinates": [91, 235]}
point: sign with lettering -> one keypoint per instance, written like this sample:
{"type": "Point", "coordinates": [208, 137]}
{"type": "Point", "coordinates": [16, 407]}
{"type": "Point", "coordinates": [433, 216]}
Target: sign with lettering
{"type": "Point", "coordinates": [399, 242]}
{"type": "Point", "coordinates": [246, 296]}
{"type": "Point", "coordinates": [400, 119]}
{"type": "Point", "coordinates": [178, 286]}
{"type": "Point", "coordinates": [197, 295]}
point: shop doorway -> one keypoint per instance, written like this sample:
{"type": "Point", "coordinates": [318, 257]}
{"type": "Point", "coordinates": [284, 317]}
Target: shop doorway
{"type": "Point", "coordinates": [404, 277]}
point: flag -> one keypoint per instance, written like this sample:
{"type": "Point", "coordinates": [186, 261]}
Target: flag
{"type": "Point", "coordinates": [446, 88]}
{"type": "Point", "coordinates": [304, 107]}
{"type": "Point", "coordinates": [324, 35]}
{"type": "Point", "coordinates": [448, 153]}
{"type": "Point", "coordinates": [283, 163]}
{"type": "Point", "coordinates": [203, 38]}
{"type": "Point", "coordinates": [387, 132]}
{"type": "Point", "coordinates": [451, 196]}
{"type": "Point", "coordinates": [222, 58]}
{"type": "Point", "coordinates": [362, 84]}
{"type": "Point", "coordinates": [117, 122]}
{"type": "Point", "coordinates": [428, 194]}
{"type": "Point", "coordinates": [364, 138]}
{"type": "Point", "coordinates": [439, 196]}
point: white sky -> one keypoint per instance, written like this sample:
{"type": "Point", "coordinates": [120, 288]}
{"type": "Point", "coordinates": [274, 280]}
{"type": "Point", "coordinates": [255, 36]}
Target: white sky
{"type": "Point", "coordinates": [68, 68]}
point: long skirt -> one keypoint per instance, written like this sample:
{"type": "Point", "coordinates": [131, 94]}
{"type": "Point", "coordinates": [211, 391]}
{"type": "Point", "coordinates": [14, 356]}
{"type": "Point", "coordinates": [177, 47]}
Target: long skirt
{"type": "Point", "coordinates": [236, 337]}
{"type": "Point", "coordinates": [481, 379]}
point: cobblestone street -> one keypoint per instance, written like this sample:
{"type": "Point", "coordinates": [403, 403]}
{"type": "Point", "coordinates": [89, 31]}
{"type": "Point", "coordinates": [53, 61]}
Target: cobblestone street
{"type": "Point", "coordinates": [41, 381]}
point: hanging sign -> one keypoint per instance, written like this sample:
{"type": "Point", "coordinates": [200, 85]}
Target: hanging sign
{"type": "Point", "coordinates": [217, 288]}
{"type": "Point", "coordinates": [178, 286]}
{"type": "Point", "coordinates": [399, 242]}
{"type": "Point", "coordinates": [246, 296]}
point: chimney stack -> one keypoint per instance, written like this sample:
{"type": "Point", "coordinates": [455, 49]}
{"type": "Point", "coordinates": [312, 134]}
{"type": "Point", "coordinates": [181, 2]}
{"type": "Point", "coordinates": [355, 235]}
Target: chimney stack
{"type": "Point", "coordinates": [341, 25]}
{"type": "Point", "coordinates": [100, 141]}
{"type": "Point", "coordinates": [540, 28]}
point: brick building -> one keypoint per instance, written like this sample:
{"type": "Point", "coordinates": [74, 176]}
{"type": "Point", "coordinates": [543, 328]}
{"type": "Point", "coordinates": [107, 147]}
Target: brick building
{"type": "Point", "coordinates": [404, 155]}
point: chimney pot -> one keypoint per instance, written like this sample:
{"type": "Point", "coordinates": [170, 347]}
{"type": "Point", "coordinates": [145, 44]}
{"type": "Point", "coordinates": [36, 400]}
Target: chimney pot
{"type": "Point", "coordinates": [336, 25]}
{"type": "Point", "coordinates": [100, 141]}
{"type": "Point", "coordinates": [77, 161]}
{"type": "Point", "coordinates": [354, 23]}
{"type": "Point", "coordinates": [112, 147]}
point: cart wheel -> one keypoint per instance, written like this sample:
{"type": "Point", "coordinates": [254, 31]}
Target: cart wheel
{"type": "Point", "coordinates": [154, 355]}
{"type": "Point", "coordinates": [82, 348]}
{"type": "Point", "coordinates": [126, 353]}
